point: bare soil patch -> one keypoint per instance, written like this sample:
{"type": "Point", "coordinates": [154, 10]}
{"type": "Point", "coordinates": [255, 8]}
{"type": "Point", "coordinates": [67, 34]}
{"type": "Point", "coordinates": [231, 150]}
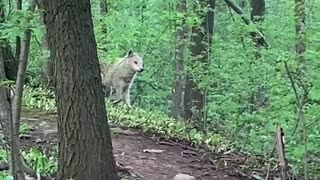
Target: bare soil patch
{"type": "Point", "coordinates": [149, 157]}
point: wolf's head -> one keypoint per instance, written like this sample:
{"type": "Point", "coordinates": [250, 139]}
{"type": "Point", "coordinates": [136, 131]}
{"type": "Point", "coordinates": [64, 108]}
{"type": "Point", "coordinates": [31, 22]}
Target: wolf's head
{"type": "Point", "coordinates": [134, 61]}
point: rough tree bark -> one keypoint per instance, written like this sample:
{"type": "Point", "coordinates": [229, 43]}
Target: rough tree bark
{"type": "Point", "coordinates": [177, 109]}
{"type": "Point", "coordinates": [85, 147]}
{"type": "Point", "coordinates": [194, 98]}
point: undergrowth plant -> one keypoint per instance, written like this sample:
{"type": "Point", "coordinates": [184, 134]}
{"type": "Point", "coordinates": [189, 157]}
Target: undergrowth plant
{"type": "Point", "coordinates": [35, 158]}
{"type": "Point", "coordinates": [43, 163]}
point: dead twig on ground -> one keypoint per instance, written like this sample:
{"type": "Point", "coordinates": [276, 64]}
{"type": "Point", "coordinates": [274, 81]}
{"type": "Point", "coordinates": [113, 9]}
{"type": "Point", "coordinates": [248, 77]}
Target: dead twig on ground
{"type": "Point", "coordinates": [127, 170]}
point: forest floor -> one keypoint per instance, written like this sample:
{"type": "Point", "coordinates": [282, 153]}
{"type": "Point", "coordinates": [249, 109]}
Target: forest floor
{"type": "Point", "coordinates": [150, 158]}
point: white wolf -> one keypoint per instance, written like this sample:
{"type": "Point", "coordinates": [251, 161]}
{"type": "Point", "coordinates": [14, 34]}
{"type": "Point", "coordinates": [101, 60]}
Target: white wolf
{"type": "Point", "coordinates": [120, 75]}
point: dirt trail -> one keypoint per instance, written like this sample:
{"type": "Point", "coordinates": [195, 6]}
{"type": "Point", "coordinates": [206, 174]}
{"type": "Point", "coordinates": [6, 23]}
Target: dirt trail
{"type": "Point", "coordinates": [165, 160]}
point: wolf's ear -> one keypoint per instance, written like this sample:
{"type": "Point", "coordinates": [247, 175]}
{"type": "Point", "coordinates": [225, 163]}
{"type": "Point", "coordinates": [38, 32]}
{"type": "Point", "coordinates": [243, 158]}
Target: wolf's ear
{"type": "Point", "coordinates": [130, 53]}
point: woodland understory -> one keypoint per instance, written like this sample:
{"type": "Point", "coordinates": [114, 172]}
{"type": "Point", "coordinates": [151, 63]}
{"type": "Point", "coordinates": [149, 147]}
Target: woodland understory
{"type": "Point", "coordinates": [230, 89]}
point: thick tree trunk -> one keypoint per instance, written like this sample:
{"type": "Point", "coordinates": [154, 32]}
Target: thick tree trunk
{"type": "Point", "coordinates": [194, 98]}
{"type": "Point", "coordinates": [177, 109]}
{"type": "Point", "coordinates": [85, 147]}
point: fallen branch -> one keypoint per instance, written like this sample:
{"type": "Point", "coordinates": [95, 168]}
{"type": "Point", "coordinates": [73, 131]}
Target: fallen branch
{"type": "Point", "coordinates": [127, 170]}
{"type": "Point", "coordinates": [123, 132]}
{"type": "Point", "coordinates": [258, 34]}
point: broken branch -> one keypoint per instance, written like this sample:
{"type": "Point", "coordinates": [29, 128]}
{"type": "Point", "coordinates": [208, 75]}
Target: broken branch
{"type": "Point", "coordinates": [239, 11]}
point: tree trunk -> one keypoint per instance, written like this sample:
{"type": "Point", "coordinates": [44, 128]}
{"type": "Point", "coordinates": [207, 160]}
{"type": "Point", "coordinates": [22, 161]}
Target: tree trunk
{"type": "Point", "coordinates": [242, 4]}
{"type": "Point", "coordinates": [257, 16]}
{"type": "Point", "coordinates": [8, 71]}
{"type": "Point", "coordinates": [177, 109]}
{"type": "Point", "coordinates": [104, 12]}
{"type": "Point", "coordinates": [300, 46]}
{"type": "Point", "coordinates": [194, 97]}
{"type": "Point", "coordinates": [103, 7]}
{"type": "Point", "coordinates": [300, 49]}
{"type": "Point", "coordinates": [10, 63]}
{"type": "Point", "coordinates": [18, 39]}
{"type": "Point", "coordinates": [18, 171]}
{"type": "Point", "coordinates": [258, 10]}
{"type": "Point", "coordinates": [4, 96]}
{"type": "Point", "coordinates": [259, 97]}
{"type": "Point", "coordinates": [48, 68]}
{"type": "Point", "coordinates": [4, 102]}
{"type": "Point", "coordinates": [47, 79]}
{"type": "Point", "coordinates": [85, 147]}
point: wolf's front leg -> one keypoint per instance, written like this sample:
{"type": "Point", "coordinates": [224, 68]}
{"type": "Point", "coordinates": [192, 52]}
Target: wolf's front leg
{"type": "Point", "coordinates": [127, 98]}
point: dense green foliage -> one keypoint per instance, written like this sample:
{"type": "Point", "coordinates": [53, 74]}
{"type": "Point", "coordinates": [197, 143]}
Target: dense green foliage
{"type": "Point", "coordinates": [234, 74]}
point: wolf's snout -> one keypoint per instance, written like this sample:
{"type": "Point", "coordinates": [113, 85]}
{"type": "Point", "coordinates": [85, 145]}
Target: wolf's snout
{"type": "Point", "coordinates": [141, 70]}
